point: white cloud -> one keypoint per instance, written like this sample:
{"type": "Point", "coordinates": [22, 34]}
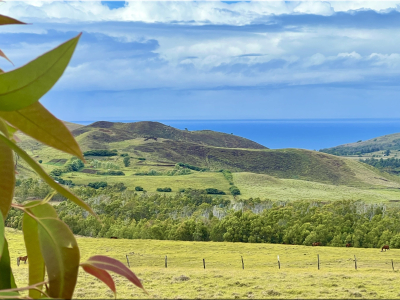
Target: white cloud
{"type": "Point", "coordinates": [240, 13]}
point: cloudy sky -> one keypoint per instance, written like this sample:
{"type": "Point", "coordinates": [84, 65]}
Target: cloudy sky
{"type": "Point", "coordinates": [215, 60]}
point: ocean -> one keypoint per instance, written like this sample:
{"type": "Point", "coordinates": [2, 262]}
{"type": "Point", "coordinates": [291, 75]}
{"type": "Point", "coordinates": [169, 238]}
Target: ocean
{"type": "Point", "coordinates": [312, 134]}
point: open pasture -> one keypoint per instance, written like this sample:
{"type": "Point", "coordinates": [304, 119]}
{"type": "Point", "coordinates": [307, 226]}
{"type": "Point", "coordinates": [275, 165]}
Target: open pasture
{"type": "Point", "coordinates": [185, 277]}
{"type": "Point", "coordinates": [268, 187]}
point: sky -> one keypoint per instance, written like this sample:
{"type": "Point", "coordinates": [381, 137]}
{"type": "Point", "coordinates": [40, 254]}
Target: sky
{"type": "Point", "coordinates": [214, 60]}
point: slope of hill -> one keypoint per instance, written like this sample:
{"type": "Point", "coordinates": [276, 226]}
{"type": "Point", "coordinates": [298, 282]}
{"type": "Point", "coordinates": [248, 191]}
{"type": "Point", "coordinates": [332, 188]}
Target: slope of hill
{"type": "Point", "coordinates": [382, 143]}
{"type": "Point", "coordinates": [99, 133]}
{"type": "Point", "coordinates": [155, 149]}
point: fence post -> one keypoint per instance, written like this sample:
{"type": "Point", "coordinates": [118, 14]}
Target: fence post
{"type": "Point", "coordinates": [166, 262]}
{"type": "Point", "coordinates": [279, 263]}
{"type": "Point", "coordinates": [242, 262]}
{"type": "Point", "coordinates": [355, 262]}
{"type": "Point", "coordinates": [318, 260]}
{"type": "Point", "coordinates": [127, 260]}
{"type": "Point", "coordinates": [204, 263]}
{"type": "Point", "coordinates": [392, 265]}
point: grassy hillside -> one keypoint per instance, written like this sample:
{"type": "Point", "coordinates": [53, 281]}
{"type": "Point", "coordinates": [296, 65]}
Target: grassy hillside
{"type": "Point", "coordinates": [224, 277]}
{"type": "Point", "coordinates": [375, 146]}
{"type": "Point", "coordinates": [98, 134]}
{"type": "Point", "coordinates": [295, 173]}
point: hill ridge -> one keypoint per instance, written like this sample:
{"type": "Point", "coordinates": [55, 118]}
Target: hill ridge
{"type": "Point", "coordinates": [118, 131]}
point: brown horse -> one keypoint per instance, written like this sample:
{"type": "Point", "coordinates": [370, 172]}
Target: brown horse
{"type": "Point", "coordinates": [114, 237]}
{"type": "Point", "coordinates": [317, 244]}
{"type": "Point", "coordinates": [22, 258]}
{"type": "Point", "coordinates": [348, 245]}
{"type": "Point", "coordinates": [386, 247]}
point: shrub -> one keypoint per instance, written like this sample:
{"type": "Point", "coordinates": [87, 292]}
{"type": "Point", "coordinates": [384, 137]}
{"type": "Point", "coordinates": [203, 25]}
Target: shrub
{"type": "Point", "coordinates": [98, 184]}
{"type": "Point", "coordinates": [40, 161]}
{"type": "Point", "coordinates": [127, 161]}
{"type": "Point", "coordinates": [112, 173]}
{"type": "Point", "coordinates": [141, 158]}
{"type": "Point", "coordinates": [100, 153]}
{"type": "Point", "coordinates": [124, 154]}
{"type": "Point", "coordinates": [234, 190]}
{"type": "Point", "coordinates": [213, 191]}
{"type": "Point", "coordinates": [167, 190]}
{"type": "Point", "coordinates": [138, 188]}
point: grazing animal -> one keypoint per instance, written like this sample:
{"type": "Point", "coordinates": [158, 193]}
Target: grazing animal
{"type": "Point", "coordinates": [317, 244]}
{"type": "Point", "coordinates": [348, 245]}
{"type": "Point", "coordinates": [22, 258]}
{"type": "Point", "coordinates": [386, 247]}
{"type": "Point", "coordinates": [114, 237]}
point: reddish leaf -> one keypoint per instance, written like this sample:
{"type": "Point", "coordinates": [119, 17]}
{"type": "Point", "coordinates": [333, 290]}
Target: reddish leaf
{"type": "Point", "coordinates": [4, 20]}
{"type": "Point", "coordinates": [100, 274]}
{"type": "Point", "coordinates": [111, 264]}
{"type": "Point", "coordinates": [5, 56]}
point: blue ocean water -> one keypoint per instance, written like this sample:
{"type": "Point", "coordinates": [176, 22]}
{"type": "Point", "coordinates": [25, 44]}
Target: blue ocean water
{"type": "Point", "coordinates": [312, 134]}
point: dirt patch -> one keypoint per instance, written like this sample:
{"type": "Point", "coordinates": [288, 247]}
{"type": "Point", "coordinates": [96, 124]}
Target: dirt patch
{"type": "Point", "coordinates": [89, 171]}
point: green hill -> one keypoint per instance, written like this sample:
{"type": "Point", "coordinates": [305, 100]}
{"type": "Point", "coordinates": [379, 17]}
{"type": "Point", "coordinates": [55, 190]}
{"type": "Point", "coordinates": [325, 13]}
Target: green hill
{"type": "Point", "coordinates": [370, 147]}
{"type": "Point", "coordinates": [98, 134]}
{"type": "Point", "coordinates": [155, 149]}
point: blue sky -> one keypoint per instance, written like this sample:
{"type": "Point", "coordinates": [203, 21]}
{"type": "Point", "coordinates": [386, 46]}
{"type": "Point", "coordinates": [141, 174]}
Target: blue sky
{"type": "Point", "coordinates": [215, 60]}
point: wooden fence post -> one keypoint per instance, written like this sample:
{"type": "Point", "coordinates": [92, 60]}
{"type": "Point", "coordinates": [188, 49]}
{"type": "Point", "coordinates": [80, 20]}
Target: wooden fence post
{"type": "Point", "coordinates": [392, 265]}
{"type": "Point", "coordinates": [204, 263]}
{"type": "Point", "coordinates": [279, 263]}
{"type": "Point", "coordinates": [318, 260]}
{"type": "Point", "coordinates": [242, 262]}
{"type": "Point", "coordinates": [127, 260]}
{"type": "Point", "coordinates": [166, 262]}
{"type": "Point", "coordinates": [355, 262]}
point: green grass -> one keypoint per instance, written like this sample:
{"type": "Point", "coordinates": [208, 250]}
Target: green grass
{"type": "Point", "coordinates": [267, 187]}
{"type": "Point", "coordinates": [224, 278]}
{"type": "Point", "coordinates": [196, 180]}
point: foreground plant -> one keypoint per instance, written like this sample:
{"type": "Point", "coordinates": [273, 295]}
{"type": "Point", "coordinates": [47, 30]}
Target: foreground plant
{"type": "Point", "coordinates": [50, 245]}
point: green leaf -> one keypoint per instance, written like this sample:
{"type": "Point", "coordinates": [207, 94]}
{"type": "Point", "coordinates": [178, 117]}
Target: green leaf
{"type": "Point", "coordinates": [36, 167]}
{"type": "Point", "coordinates": [100, 274]}
{"type": "Point", "coordinates": [60, 251]}
{"type": "Point", "coordinates": [4, 20]}
{"type": "Point", "coordinates": [1, 234]}
{"type": "Point", "coordinates": [111, 264]}
{"type": "Point", "coordinates": [7, 174]}
{"type": "Point", "coordinates": [32, 244]}
{"type": "Point", "coordinates": [6, 276]}
{"type": "Point", "coordinates": [37, 122]}
{"type": "Point", "coordinates": [26, 85]}
{"type": "Point", "coordinates": [9, 295]}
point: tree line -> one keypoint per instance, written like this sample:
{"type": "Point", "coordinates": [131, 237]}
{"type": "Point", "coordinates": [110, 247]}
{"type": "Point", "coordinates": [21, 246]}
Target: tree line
{"type": "Point", "coordinates": [194, 215]}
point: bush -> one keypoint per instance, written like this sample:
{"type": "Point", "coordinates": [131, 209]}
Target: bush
{"type": "Point", "coordinates": [191, 167]}
{"type": "Point", "coordinates": [127, 161]}
{"type": "Point", "coordinates": [112, 173]}
{"type": "Point", "coordinates": [98, 184]}
{"type": "Point", "coordinates": [124, 154]}
{"type": "Point", "coordinates": [100, 153]}
{"type": "Point", "coordinates": [167, 190]}
{"type": "Point", "coordinates": [213, 191]}
{"type": "Point", "coordinates": [234, 190]}
{"type": "Point", "coordinates": [141, 158]}
{"type": "Point", "coordinates": [40, 161]}
{"type": "Point", "coordinates": [138, 188]}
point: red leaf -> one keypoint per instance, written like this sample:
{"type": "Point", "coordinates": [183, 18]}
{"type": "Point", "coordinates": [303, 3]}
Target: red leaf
{"type": "Point", "coordinates": [4, 56]}
{"type": "Point", "coordinates": [100, 274]}
{"type": "Point", "coordinates": [111, 264]}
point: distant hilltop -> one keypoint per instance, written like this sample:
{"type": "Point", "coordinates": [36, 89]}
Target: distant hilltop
{"type": "Point", "coordinates": [102, 132]}
{"type": "Point", "coordinates": [372, 147]}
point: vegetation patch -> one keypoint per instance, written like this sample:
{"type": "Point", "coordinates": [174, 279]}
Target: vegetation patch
{"type": "Point", "coordinates": [101, 153]}
{"type": "Point", "coordinates": [57, 162]}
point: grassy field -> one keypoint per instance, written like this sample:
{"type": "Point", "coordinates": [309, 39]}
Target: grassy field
{"type": "Point", "coordinates": [268, 187]}
{"type": "Point", "coordinates": [224, 277]}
